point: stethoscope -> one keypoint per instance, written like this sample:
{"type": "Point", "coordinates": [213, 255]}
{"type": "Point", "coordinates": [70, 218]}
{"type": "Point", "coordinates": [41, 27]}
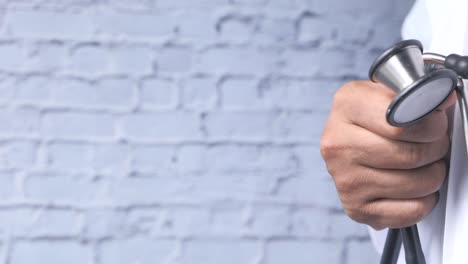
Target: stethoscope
{"type": "Point", "coordinates": [422, 81]}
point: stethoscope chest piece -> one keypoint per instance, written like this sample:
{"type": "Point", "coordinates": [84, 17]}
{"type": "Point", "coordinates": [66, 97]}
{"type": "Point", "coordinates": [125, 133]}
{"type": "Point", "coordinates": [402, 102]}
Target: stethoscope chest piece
{"type": "Point", "coordinates": [419, 93]}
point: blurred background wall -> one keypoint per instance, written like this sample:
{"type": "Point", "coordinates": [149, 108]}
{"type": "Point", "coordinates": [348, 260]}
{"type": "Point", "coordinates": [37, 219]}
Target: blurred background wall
{"type": "Point", "coordinates": [178, 131]}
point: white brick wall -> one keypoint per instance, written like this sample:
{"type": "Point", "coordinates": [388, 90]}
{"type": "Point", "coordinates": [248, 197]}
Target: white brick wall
{"type": "Point", "coordinates": [178, 131]}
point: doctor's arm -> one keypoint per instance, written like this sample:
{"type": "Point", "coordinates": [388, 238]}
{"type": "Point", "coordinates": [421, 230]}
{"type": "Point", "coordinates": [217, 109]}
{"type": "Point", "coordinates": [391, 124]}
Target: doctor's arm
{"type": "Point", "coordinates": [385, 176]}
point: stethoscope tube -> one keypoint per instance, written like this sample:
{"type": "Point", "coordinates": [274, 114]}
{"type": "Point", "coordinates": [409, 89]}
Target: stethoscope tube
{"type": "Point", "coordinates": [409, 237]}
{"type": "Point", "coordinates": [412, 244]}
{"type": "Point", "coordinates": [392, 247]}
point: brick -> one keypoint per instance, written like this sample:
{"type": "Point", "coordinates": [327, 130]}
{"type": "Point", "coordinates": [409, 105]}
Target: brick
{"type": "Point", "coordinates": [278, 159]}
{"type": "Point", "coordinates": [152, 158]}
{"type": "Point", "coordinates": [244, 158]}
{"type": "Point", "coordinates": [54, 187]}
{"type": "Point", "coordinates": [138, 5]}
{"type": "Point", "coordinates": [269, 222]}
{"type": "Point", "coordinates": [14, 56]}
{"type": "Point", "coordinates": [108, 93]}
{"type": "Point", "coordinates": [229, 221]}
{"type": "Point", "coordinates": [311, 162]}
{"type": "Point", "coordinates": [76, 125]}
{"type": "Point", "coordinates": [240, 125]}
{"type": "Point", "coordinates": [236, 29]}
{"type": "Point", "coordinates": [138, 250]}
{"type": "Point", "coordinates": [240, 93]}
{"type": "Point", "coordinates": [73, 92]}
{"type": "Point", "coordinates": [102, 223]}
{"type": "Point", "coordinates": [147, 222]}
{"type": "Point", "coordinates": [311, 223]}
{"type": "Point", "coordinates": [308, 190]}
{"type": "Point", "coordinates": [250, 2]}
{"type": "Point", "coordinates": [150, 189]}
{"type": "Point", "coordinates": [168, 223]}
{"type": "Point", "coordinates": [237, 61]}
{"type": "Point", "coordinates": [298, 62]}
{"type": "Point", "coordinates": [232, 158]}
{"type": "Point", "coordinates": [30, 223]}
{"type": "Point", "coordinates": [48, 56]}
{"type": "Point", "coordinates": [132, 60]}
{"type": "Point", "coordinates": [314, 29]}
{"type": "Point", "coordinates": [190, 158]}
{"type": "Point", "coordinates": [19, 122]}
{"type": "Point", "coordinates": [322, 224]}
{"type": "Point", "coordinates": [190, 3]}
{"type": "Point", "coordinates": [34, 90]}
{"type": "Point", "coordinates": [116, 93]}
{"type": "Point", "coordinates": [162, 126]}
{"type": "Point", "coordinates": [53, 252]}
{"type": "Point", "coordinates": [275, 31]}
{"type": "Point", "coordinates": [214, 252]}
{"type": "Point", "coordinates": [159, 94]}
{"type": "Point", "coordinates": [8, 87]}
{"type": "Point", "coordinates": [69, 156]}
{"type": "Point", "coordinates": [9, 189]}
{"type": "Point", "coordinates": [111, 159]}
{"type": "Point", "coordinates": [48, 24]}
{"type": "Point", "coordinates": [342, 227]}
{"type": "Point", "coordinates": [135, 25]}
{"type": "Point", "coordinates": [283, 4]}
{"type": "Point", "coordinates": [301, 126]}
{"type": "Point", "coordinates": [235, 186]}
{"type": "Point", "coordinates": [199, 93]}
{"type": "Point", "coordinates": [302, 252]}
{"type": "Point", "coordinates": [358, 7]}
{"type": "Point", "coordinates": [336, 30]}
{"type": "Point", "coordinates": [174, 60]}
{"type": "Point", "coordinates": [296, 94]}
{"type": "Point", "coordinates": [96, 59]}
{"type": "Point", "coordinates": [18, 154]}
{"type": "Point", "coordinates": [90, 59]}
{"type": "Point", "coordinates": [196, 25]}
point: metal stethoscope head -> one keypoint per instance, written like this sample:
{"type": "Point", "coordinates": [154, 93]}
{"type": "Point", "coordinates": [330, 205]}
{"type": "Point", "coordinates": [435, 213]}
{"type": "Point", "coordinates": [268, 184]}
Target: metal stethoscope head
{"type": "Point", "coordinates": [422, 81]}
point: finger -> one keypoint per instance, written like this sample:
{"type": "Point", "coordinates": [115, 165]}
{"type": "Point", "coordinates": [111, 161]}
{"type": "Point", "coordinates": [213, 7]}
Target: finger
{"type": "Point", "coordinates": [450, 101]}
{"type": "Point", "coordinates": [403, 184]}
{"type": "Point", "coordinates": [368, 149]}
{"type": "Point", "coordinates": [400, 213]}
{"type": "Point", "coordinates": [365, 104]}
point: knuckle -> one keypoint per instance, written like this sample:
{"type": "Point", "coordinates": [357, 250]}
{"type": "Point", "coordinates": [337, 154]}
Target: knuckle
{"type": "Point", "coordinates": [418, 210]}
{"type": "Point", "coordinates": [445, 145]}
{"type": "Point", "coordinates": [397, 132]}
{"type": "Point", "coordinates": [328, 147]}
{"type": "Point", "coordinates": [435, 182]}
{"type": "Point", "coordinates": [342, 94]}
{"type": "Point", "coordinates": [413, 155]}
{"type": "Point", "coordinates": [346, 184]}
{"type": "Point", "coordinates": [358, 213]}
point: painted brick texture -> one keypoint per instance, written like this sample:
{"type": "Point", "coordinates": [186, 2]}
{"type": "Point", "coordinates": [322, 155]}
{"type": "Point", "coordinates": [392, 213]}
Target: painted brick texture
{"type": "Point", "coordinates": [178, 131]}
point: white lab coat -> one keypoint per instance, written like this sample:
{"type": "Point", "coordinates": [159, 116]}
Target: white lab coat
{"type": "Point", "coordinates": [442, 26]}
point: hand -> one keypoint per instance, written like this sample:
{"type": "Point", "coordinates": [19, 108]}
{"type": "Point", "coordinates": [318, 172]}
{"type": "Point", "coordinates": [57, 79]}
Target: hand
{"type": "Point", "coordinates": [386, 176]}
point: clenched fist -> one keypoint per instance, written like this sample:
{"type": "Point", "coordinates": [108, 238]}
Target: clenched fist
{"type": "Point", "coordinates": [386, 176]}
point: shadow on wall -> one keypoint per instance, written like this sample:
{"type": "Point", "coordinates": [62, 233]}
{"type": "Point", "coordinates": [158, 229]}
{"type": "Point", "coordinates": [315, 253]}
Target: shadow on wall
{"type": "Point", "coordinates": [178, 131]}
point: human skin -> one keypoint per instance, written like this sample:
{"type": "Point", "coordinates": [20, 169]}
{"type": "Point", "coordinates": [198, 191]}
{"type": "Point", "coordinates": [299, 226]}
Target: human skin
{"type": "Point", "coordinates": [385, 176]}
